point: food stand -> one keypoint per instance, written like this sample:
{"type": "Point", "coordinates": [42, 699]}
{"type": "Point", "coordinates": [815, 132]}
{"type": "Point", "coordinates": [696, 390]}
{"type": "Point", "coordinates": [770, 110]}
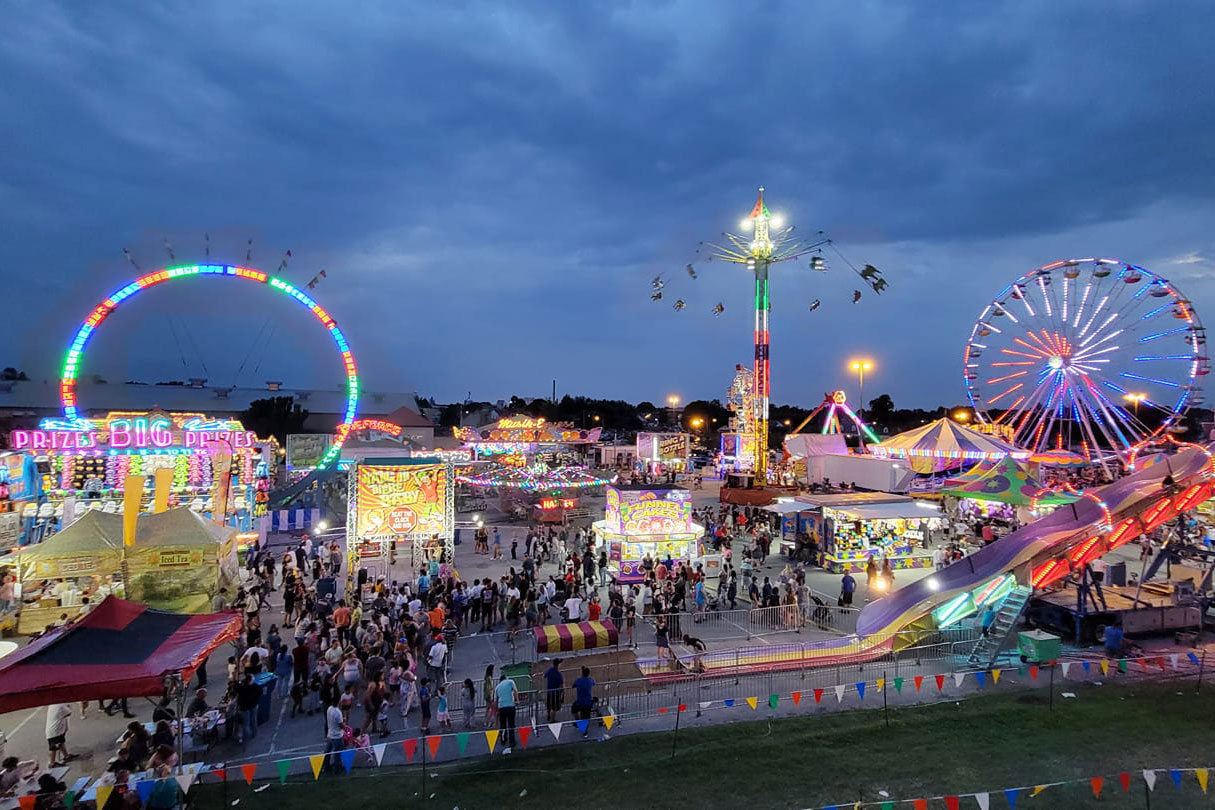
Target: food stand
{"type": "Point", "coordinates": [178, 561]}
{"type": "Point", "coordinates": [852, 527]}
{"type": "Point", "coordinates": [644, 520]}
{"type": "Point", "coordinates": [663, 453]}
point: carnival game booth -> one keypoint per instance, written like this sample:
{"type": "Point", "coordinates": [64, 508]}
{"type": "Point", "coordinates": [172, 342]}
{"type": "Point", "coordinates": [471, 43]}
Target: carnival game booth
{"type": "Point", "coordinates": [852, 527]}
{"type": "Point", "coordinates": [515, 436]}
{"type": "Point", "coordinates": [945, 445]}
{"type": "Point", "coordinates": [179, 561]}
{"type": "Point", "coordinates": [663, 453]}
{"type": "Point", "coordinates": [88, 461]}
{"type": "Point", "coordinates": [643, 520]}
{"type": "Point", "coordinates": [1006, 490]}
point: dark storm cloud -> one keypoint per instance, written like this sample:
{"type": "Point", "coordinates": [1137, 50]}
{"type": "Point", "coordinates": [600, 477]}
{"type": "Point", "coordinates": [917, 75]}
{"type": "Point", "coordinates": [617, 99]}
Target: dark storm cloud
{"type": "Point", "coordinates": [492, 185]}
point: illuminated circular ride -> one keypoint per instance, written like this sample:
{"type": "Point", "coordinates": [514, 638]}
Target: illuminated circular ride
{"type": "Point", "coordinates": [1092, 355]}
{"type": "Point", "coordinates": [75, 352]}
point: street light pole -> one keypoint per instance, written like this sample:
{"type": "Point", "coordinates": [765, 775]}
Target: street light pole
{"type": "Point", "coordinates": [860, 367]}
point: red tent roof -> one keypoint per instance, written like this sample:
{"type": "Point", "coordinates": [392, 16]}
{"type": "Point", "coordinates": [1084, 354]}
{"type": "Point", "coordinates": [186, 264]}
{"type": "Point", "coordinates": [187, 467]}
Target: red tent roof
{"type": "Point", "coordinates": [121, 649]}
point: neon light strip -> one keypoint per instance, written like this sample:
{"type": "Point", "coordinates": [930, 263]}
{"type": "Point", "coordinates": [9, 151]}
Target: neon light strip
{"type": "Point", "coordinates": [1166, 383]}
{"type": "Point", "coordinates": [71, 360]}
{"type": "Point", "coordinates": [1159, 335]}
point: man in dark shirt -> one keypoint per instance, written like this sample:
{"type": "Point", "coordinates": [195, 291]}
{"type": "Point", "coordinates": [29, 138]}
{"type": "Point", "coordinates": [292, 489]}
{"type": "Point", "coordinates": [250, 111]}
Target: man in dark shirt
{"type": "Point", "coordinates": [584, 700]}
{"type": "Point", "coordinates": [554, 684]}
{"type": "Point", "coordinates": [248, 695]}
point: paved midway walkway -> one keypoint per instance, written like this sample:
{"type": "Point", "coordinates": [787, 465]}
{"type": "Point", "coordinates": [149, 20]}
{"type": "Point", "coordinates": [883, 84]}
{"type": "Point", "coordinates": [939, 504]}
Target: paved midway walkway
{"type": "Point", "coordinates": [93, 738]}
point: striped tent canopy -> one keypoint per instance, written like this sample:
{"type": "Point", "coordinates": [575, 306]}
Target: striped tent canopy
{"type": "Point", "coordinates": [575, 636]}
{"type": "Point", "coordinates": [944, 444]}
{"type": "Point", "coordinates": [1008, 482]}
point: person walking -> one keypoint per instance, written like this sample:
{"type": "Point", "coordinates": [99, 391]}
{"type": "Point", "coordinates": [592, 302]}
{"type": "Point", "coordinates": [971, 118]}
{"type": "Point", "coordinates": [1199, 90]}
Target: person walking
{"type": "Point", "coordinates": [247, 697]}
{"type": "Point", "coordinates": [584, 699]}
{"type": "Point", "coordinates": [57, 715]}
{"type": "Point", "coordinates": [554, 684]}
{"type": "Point", "coordinates": [506, 692]}
{"type": "Point", "coordinates": [333, 737]}
{"type": "Point", "coordinates": [847, 588]}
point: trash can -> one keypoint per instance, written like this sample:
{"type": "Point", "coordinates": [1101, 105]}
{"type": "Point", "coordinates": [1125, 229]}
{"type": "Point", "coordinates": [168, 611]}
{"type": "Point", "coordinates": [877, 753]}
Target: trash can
{"type": "Point", "coordinates": [1038, 647]}
{"type": "Point", "coordinates": [267, 681]}
{"type": "Point", "coordinates": [1115, 574]}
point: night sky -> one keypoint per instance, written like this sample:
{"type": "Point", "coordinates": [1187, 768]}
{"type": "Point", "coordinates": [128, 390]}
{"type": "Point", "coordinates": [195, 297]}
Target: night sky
{"type": "Point", "coordinates": [491, 186]}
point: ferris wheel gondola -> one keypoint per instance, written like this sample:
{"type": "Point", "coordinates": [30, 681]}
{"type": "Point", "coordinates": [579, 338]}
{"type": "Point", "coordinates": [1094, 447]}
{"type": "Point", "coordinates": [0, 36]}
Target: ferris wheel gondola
{"type": "Point", "coordinates": [1093, 355]}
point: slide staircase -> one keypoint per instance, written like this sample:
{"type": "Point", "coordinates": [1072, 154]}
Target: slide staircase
{"type": "Point", "coordinates": [1012, 607]}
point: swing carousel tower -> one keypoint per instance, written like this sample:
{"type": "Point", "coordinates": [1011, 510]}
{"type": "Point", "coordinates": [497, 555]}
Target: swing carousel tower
{"type": "Point", "coordinates": [770, 242]}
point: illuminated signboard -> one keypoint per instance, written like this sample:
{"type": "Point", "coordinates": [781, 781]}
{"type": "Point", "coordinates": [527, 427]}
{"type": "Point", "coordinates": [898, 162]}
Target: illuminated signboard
{"type": "Point", "coordinates": [400, 500]}
{"type": "Point", "coordinates": [657, 510]}
{"type": "Point", "coordinates": [558, 503]}
{"type": "Point", "coordinates": [126, 433]}
{"type": "Point", "coordinates": [377, 425]}
{"type": "Point", "coordinates": [662, 446]}
{"type": "Point", "coordinates": [526, 430]}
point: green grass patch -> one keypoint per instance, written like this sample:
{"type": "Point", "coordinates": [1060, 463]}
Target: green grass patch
{"type": "Point", "coordinates": [982, 744]}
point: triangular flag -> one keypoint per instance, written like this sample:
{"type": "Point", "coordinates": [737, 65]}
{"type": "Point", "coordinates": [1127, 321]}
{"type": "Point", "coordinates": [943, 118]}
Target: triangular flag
{"type": "Point", "coordinates": [839, 693]}
{"type": "Point", "coordinates": [144, 788]}
{"type": "Point", "coordinates": [1193, 658]}
{"type": "Point", "coordinates": [555, 730]}
{"type": "Point", "coordinates": [920, 804]}
{"type": "Point", "coordinates": [582, 725]}
{"type": "Point", "coordinates": [958, 677]}
{"type": "Point", "coordinates": [995, 676]}
{"type": "Point", "coordinates": [1088, 666]}
{"type": "Point", "coordinates": [729, 702]}
{"type": "Point", "coordinates": [704, 704]}
{"type": "Point", "coordinates": [683, 707]}
{"type": "Point", "coordinates": [347, 758]}
{"type": "Point", "coordinates": [1124, 779]}
{"type": "Point", "coordinates": [981, 677]}
{"type": "Point", "coordinates": [248, 771]}
{"type": "Point", "coordinates": [753, 702]}
{"type": "Point", "coordinates": [432, 742]}
{"type": "Point", "coordinates": [184, 781]}
{"type": "Point", "coordinates": [525, 732]}
{"type": "Point", "coordinates": [284, 768]}
{"type": "Point", "coordinates": [317, 761]}
{"type": "Point", "coordinates": [984, 801]}
{"type": "Point", "coordinates": [919, 681]}
{"type": "Point", "coordinates": [887, 806]}
{"type": "Point", "coordinates": [462, 742]}
{"type": "Point", "coordinates": [797, 698]}
{"type": "Point", "coordinates": [1033, 672]}
{"type": "Point", "coordinates": [69, 798]}
{"type": "Point", "coordinates": [1175, 775]}
{"type": "Point", "coordinates": [1038, 789]}
{"type": "Point", "coordinates": [1160, 662]}
{"type": "Point", "coordinates": [411, 748]}
{"type": "Point", "coordinates": [951, 802]}
{"type": "Point", "coordinates": [378, 750]}
{"type": "Point", "coordinates": [1201, 773]}
{"type": "Point", "coordinates": [1105, 666]}
{"type": "Point", "coordinates": [898, 685]}
{"type": "Point", "coordinates": [818, 695]}
{"type": "Point", "coordinates": [1011, 794]}
{"type": "Point", "coordinates": [221, 774]}
{"type": "Point", "coordinates": [1173, 660]}
{"type": "Point", "coordinates": [609, 720]}
{"type": "Point", "coordinates": [1065, 667]}
{"type": "Point", "coordinates": [1149, 776]}
{"type": "Point", "coordinates": [881, 684]}
{"type": "Point", "coordinates": [103, 794]}
{"type": "Point", "coordinates": [1122, 665]}
{"type": "Point", "coordinates": [663, 709]}
{"type": "Point", "coordinates": [940, 679]}
{"type": "Point", "coordinates": [491, 737]}
{"type": "Point", "coordinates": [1096, 782]}
{"type": "Point", "coordinates": [860, 689]}
{"type": "Point", "coordinates": [773, 700]}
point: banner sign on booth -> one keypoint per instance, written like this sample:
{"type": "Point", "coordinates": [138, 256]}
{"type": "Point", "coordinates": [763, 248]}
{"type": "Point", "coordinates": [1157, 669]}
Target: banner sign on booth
{"type": "Point", "coordinates": [397, 501]}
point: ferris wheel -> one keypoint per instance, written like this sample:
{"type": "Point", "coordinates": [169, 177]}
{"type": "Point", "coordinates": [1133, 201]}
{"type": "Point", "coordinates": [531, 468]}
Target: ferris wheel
{"type": "Point", "coordinates": [1090, 355]}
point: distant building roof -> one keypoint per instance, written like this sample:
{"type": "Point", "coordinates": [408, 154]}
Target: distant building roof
{"type": "Point", "coordinates": [42, 398]}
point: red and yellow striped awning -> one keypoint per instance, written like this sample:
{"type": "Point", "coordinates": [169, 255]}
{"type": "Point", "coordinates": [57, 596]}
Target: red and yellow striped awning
{"type": "Point", "coordinates": [575, 636]}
